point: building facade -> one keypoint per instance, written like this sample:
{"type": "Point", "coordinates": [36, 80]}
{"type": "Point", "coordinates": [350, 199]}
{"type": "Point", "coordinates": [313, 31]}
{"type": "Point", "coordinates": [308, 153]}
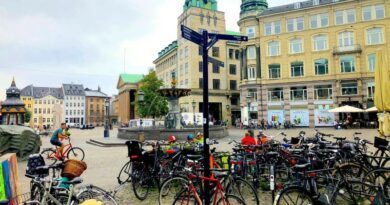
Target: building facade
{"type": "Point", "coordinates": [114, 109]}
{"type": "Point", "coordinates": [184, 58]}
{"type": "Point", "coordinates": [12, 108]}
{"type": "Point", "coordinates": [74, 104]}
{"type": "Point", "coordinates": [95, 109]}
{"type": "Point", "coordinates": [305, 58]}
{"type": "Point", "coordinates": [127, 89]}
{"type": "Point", "coordinates": [45, 105]}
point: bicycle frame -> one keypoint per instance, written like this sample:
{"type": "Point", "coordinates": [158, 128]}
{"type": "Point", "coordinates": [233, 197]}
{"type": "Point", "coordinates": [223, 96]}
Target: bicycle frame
{"type": "Point", "coordinates": [47, 195]}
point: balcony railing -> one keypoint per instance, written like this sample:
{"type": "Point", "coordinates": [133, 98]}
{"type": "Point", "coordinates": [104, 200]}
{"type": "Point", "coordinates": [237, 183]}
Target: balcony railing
{"type": "Point", "coordinates": [341, 50]}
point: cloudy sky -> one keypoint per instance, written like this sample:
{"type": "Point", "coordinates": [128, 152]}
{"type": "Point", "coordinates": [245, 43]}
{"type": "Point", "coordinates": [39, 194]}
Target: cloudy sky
{"type": "Point", "coordinates": [46, 42]}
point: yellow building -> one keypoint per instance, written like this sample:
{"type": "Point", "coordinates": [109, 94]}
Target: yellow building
{"type": "Point", "coordinates": [95, 109]}
{"type": "Point", "coordinates": [305, 58]}
{"type": "Point", "coordinates": [45, 104]}
{"type": "Point", "coordinates": [127, 89]}
{"type": "Point", "coordinates": [183, 58]}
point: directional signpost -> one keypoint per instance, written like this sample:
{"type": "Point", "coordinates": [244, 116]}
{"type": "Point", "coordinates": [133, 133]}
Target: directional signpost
{"type": "Point", "coordinates": [203, 41]}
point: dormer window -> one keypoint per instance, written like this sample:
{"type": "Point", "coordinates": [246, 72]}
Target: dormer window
{"type": "Point", "coordinates": [297, 5]}
{"type": "Point", "coordinates": [316, 2]}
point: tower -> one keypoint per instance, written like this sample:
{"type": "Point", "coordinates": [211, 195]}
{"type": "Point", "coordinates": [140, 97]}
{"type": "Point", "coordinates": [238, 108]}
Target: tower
{"type": "Point", "coordinates": [253, 5]}
{"type": "Point", "coordinates": [205, 4]}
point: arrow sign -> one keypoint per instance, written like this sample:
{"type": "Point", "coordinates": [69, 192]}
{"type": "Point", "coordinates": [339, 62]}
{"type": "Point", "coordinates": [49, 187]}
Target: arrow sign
{"type": "Point", "coordinates": [191, 35]}
{"type": "Point", "coordinates": [228, 37]}
{"type": "Point", "coordinates": [217, 62]}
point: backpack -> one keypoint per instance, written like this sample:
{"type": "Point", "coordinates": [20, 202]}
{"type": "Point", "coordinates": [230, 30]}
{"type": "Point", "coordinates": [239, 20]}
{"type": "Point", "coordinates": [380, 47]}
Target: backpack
{"type": "Point", "coordinates": [35, 161]}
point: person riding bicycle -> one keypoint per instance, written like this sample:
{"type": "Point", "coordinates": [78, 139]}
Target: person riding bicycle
{"type": "Point", "coordinates": [261, 138]}
{"type": "Point", "coordinates": [172, 146]}
{"type": "Point", "coordinates": [199, 138]}
{"type": "Point", "coordinates": [248, 140]}
{"type": "Point", "coordinates": [58, 135]}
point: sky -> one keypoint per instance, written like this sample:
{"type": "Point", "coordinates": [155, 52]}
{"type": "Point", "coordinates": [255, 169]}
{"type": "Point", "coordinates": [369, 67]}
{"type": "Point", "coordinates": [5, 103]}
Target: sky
{"type": "Point", "coordinates": [47, 43]}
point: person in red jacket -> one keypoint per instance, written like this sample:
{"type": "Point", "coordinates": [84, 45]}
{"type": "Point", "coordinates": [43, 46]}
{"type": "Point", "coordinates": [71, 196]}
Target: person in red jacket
{"type": "Point", "coordinates": [248, 139]}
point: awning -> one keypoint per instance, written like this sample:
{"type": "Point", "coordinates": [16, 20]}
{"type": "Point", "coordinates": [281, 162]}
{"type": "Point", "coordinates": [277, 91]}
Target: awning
{"type": "Point", "coordinates": [346, 109]}
{"type": "Point", "coordinates": [372, 109]}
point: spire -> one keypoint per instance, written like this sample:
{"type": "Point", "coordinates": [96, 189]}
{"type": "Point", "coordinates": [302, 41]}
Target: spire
{"type": "Point", "coordinates": [253, 5]}
{"type": "Point", "coordinates": [13, 84]}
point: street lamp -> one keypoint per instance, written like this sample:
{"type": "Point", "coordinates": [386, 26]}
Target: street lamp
{"type": "Point", "coordinates": [141, 100]}
{"type": "Point", "coordinates": [248, 100]}
{"type": "Point", "coordinates": [193, 110]}
{"type": "Point", "coordinates": [106, 128]}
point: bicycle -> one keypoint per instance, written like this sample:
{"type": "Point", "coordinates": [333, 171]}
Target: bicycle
{"type": "Point", "coordinates": [69, 152]}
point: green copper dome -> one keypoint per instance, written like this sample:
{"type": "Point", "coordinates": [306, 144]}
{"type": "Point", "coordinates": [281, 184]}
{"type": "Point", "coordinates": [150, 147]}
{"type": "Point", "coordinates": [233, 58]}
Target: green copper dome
{"type": "Point", "coordinates": [253, 5]}
{"type": "Point", "coordinates": [204, 4]}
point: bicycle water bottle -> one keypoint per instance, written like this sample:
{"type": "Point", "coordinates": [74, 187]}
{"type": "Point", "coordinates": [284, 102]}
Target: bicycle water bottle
{"type": "Point", "coordinates": [271, 178]}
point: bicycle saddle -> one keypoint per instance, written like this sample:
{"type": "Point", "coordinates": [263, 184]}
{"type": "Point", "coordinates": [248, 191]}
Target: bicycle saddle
{"type": "Point", "coordinates": [194, 157]}
{"type": "Point", "coordinates": [301, 166]}
{"type": "Point", "coordinates": [76, 180]}
{"type": "Point", "coordinates": [340, 138]}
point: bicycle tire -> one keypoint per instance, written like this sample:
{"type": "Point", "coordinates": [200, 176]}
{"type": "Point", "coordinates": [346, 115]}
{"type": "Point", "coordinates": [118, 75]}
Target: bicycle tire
{"type": "Point", "coordinates": [140, 179]}
{"type": "Point", "coordinates": [49, 156]}
{"type": "Point", "coordinates": [36, 193]}
{"type": "Point", "coordinates": [178, 182]}
{"type": "Point", "coordinates": [96, 193]}
{"type": "Point", "coordinates": [230, 200]}
{"type": "Point", "coordinates": [185, 197]}
{"type": "Point", "coordinates": [351, 170]}
{"type": "Point", "coordinates": [76, 153]}
{"type": "Point", "coordinates": [124, 175]}
{"type": "Point", "coordinates": [299, 191]}
{"type": "Point", "coordinates": [247, 194]}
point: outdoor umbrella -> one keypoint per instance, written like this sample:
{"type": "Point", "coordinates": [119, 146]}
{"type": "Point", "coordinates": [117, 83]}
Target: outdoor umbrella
{"type": "Point", "coordinates": [346, 109]}
{"type": "Point", "coordinates": [382, 94]}
{"type": "Point", "coordinates": [372, 109]}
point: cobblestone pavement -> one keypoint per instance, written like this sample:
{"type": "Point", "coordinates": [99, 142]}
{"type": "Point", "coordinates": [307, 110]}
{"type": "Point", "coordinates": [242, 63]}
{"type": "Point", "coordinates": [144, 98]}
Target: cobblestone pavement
{"type": "Point", "coordinates": [105, 163]}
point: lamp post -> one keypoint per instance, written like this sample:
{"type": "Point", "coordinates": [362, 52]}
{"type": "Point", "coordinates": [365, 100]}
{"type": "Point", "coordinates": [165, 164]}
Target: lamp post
{"type": "Point", "coordinates": [193, 110]}
{"type": "Point", "coordinates": [106, 127]}
{"type": "Point", "coordinates": [141, 100]}
{"type": "Point", "coordinates": [248, 100]}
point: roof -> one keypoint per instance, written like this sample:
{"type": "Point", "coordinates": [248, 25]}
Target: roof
{"type": "Point", "coordinates": [95, 93]}
{"type": "Point", "coordinates": [131, 78]}
{"type": "Point", "coordinates": [168, 49]}
{"type": "Point", "coordinates": [292, 7]}
{"type": "Point", "coordinates": [12, 102]}
{"type": "Point", "coordinates": [232, 32]}
{"type": "Point", "coordinates": [40, 92]}
{"type": "Point", "coordinates": [73, 89]}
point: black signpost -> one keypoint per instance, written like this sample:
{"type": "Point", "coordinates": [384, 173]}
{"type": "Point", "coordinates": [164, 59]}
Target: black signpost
{"type": "Point", "coordinates": [203, 41]}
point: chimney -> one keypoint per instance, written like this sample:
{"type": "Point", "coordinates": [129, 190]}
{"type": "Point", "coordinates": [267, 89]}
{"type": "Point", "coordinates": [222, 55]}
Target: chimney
{"type": "Point", "coordinates": [99, 88]}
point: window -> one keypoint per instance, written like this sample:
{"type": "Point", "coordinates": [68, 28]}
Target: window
{"type": "Point", "coordinates": [40, 101]}
{"type": "Point", "coordinates": [251, 73]}
{"type": "Point", "coordinates": [319, 20]}
{"type": "Point", "coordinates": [35, 110]}
{"type": "Point", "coordinates": [370, 90]}
{"type": "Point", "coordinates": [232, 69]}
{"type": "Point", "coordinates": [186, 68]}
{"type": "Point", "coordinates": [275, 94]}
{"type": "Point", "coordinates": [215, 51]}
{"type": "Point", "coordinates": [250, 32]}
{"type": "Point", "coordinates": [297, 5]}
{"type": "Point", "coordinates": [216, 84]}
{"type": "Point", "coordinates": [48, 110]}
{"type": "Point", "coordinates": [347, 64]}
{"type": "Point", "coordinates": [272, 28]}
{"type": "Point", "coordinates": [345, 16]}
{"type": "Point", "coordinates": [237, 54]}
{"type": "Point", "coordinates": [371, 58]}
{"type": "Point", "coordinates": [181, 53]}
{"type": "Point", "coordinates": [296, 46]}
{"type": "Point", "coordinates": [349, 88]}
{"type": "Point", "coordinates": [323, 92]}
{"type": "Point", "coordinates": [374, 36]}
{"type": "Point", "coordinates": [29, 106]}
{"type": "Point", "coordinates": [321, 66]}
{"type": "Point", "coordinates": [320, 42]}
{"type": "Point", "coordinates": [373, 12]}
{"type": "Point", "coordinates": [200, 82]}
{"type": "Point", "coordinates": [200, 66]}
{"type": "Point", "coordinates": [253, 93]}
{"type": "Point", "coordinates": [316, 2]}
{"type": "Point", "coordinates": [181, 70]}
{"type": "Point", "coordinates": [298, 93]}
{"type": "Point", "coordinates": [186, 52]}
{"type": "Point", "coordinates": [231, 53]}
{"type": "Point", "coordinates": [233, 85]}
{"type": "Point", "coordinates": [346, 39]}
{"type": "Point", "coordinates": [274, 71]}
{"type": "Point", "coordinates": [295, 24]}
{"type": "Point", "coordinates": [43, 119]}
{"type": "Point", "coordinates": [251, 52]}
{"type": "Point", "coordinates": [48, 119]}
{"type": "Point", "coordinates": [215, 68]}
{"type": "Point", "coordinates": [273, 48]}
{"type": "Point", "coordinates": [297, 69]}
{"type": "Point", "coordinates": [186, 83]}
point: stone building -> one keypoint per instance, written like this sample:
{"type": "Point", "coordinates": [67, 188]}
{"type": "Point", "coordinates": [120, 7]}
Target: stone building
{"type": "Point", "coordinates": [127, 89]}
{"type": "Point", "coordinates": [95, 108]}
{"type": "Point", "coordinates": [12, 109]}
{"type": "Point", "coordinates": [305, 58]}
{"type": "Point", "coordinates": [184, 58]}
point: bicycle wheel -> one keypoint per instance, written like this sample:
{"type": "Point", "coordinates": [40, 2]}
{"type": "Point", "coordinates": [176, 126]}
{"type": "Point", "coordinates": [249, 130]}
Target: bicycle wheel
{"type": "Point", "coordinates": [141, 182]}
{"type": "Point", "coordinates": [36, 193]}
{"type": "Point", "coordinates": [293, 196]}
{"type": "Point", "coordinates": [352, 195]}
{"type": "Point", "coordinates": [185, 197]}
{"type": "Point", "coordinates": [350, 171]}
{"type": "Point", "coordinates": [96, 193]}
{"type": "Point", "coordinates": [243, 189]}
{"type": "Point", "coordinates": [170, 188]}
{"type": "Point", "coordinates": [125, 173]}
{"type": "Point", "coordinates": [76, 153]}
{"type": "Point", "coordinates": [49, 156]}
{"type": "Point", "coordinates": [231, 200]}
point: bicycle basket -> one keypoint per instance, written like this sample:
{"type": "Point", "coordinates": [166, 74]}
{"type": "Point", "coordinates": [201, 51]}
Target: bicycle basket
{"type": "Point", "coordinates": [21, 199]}
{"type": "Point", "coordinates": [134, 149]}
{"type": "Point", "coordinates": [380, 142]}
{"type": "Point", "coordinates": [35, 161]}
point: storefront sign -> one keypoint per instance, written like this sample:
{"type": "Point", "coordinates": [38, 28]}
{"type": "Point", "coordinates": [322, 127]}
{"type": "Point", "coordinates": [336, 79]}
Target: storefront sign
{"type": "Point", "coordinates": [323, 118]}
{"type": "Point", "coordinates": [299, 118]}
{"type": "Point", "coordinates": [276, 116]}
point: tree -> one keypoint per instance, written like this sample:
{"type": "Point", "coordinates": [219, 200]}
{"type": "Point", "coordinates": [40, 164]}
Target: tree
{"type": "Point", "coordinates": [27, 116]}
{"type": "Point", "coordinates": [154, 104]}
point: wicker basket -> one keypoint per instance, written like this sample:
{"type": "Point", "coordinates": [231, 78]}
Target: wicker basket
{"type": "Point", "coordinates": [73, 168]}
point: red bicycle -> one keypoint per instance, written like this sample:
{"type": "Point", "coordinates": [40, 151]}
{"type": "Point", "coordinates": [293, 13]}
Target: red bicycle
{"type": "Point", "coordinates": [190, 194]}
{"type": "Point", "coordinates": [69, 152]}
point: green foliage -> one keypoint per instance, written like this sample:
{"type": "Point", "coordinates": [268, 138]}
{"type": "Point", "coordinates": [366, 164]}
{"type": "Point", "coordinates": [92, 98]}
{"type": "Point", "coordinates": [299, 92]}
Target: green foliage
{"type": "Point", "coordinates": [154, 104]}
{"type": "Point", "coordinates": [27, 116]}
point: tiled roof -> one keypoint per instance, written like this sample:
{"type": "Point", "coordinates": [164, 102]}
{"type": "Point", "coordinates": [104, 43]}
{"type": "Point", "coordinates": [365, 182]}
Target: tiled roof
{"type": "Point", "coordinates": [73, 89]}
{"type": "Point", "coordinates": [95, 93]}
{"type": "Point", "coordinates": [40, 92]}
{"type": "Point", "coordinates": [292, 7]}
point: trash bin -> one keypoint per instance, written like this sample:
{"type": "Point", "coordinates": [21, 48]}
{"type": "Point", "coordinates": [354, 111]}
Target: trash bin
{"type": "Point", "coordinates": [141, 136]}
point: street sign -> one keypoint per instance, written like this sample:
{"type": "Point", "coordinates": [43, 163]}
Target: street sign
{"type": "Point", "coordinates": [228, 37]}
{"type": "Point", "coordinates": [216, 62]}
{"type": "Point", "coordinates": [191, 35]}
